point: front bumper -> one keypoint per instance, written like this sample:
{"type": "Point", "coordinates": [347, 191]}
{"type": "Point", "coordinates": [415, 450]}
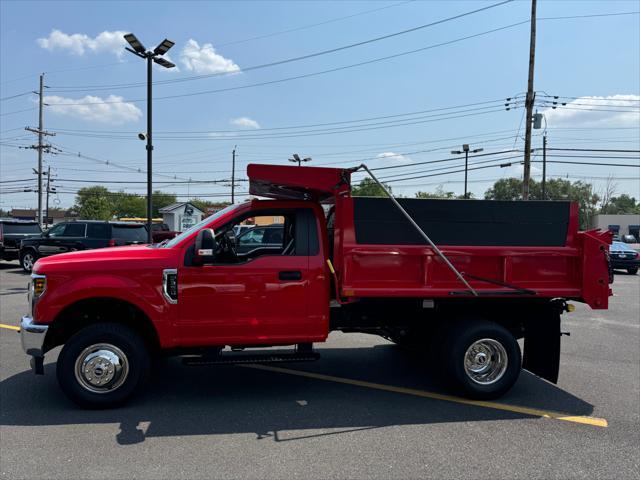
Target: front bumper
{"type": "Point", "coordinates": [32, 336]}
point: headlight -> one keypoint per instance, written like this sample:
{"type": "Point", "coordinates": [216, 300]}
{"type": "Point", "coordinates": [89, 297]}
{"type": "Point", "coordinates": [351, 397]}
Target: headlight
{"type": "Point", "coordinates": [38, 284]}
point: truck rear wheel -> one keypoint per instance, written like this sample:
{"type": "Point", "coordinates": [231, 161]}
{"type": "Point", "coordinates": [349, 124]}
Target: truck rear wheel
{"type": "Point", "coordinates": [102, 365]}
{"type": "Point", "coordinates": [483, 359]}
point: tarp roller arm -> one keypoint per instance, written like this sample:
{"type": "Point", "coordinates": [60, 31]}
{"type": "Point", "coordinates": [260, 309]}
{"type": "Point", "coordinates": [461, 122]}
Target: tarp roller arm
{"type": "Point", "coordinates": [417, 227]}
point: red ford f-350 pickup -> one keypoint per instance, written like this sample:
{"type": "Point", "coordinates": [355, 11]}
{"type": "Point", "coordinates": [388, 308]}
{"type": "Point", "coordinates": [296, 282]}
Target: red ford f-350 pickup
{"type": "Point", "coordinates": [495, 272]}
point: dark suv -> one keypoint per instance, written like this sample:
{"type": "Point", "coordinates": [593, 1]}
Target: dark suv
{"type": "Point", "coordinates": [80, 235]}
{"type": "Point", "coordinates": [12, 232]}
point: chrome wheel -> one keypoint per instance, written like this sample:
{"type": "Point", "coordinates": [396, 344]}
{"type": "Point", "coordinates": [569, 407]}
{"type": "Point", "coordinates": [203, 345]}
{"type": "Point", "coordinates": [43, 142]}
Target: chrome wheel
{"type": "Point", "coordinates": [485, 361]}
{"type": "Point", "coordinates": [101, 368]}
{"type": "Point", "coordinates": [27, 261]}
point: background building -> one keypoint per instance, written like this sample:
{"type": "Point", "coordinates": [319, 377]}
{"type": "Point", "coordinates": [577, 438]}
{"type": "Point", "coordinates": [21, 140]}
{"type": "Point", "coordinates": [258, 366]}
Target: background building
{"type": "Point", "coordinates": [181, 216]}
{"type": "Point", "coordinates": [627, 224]}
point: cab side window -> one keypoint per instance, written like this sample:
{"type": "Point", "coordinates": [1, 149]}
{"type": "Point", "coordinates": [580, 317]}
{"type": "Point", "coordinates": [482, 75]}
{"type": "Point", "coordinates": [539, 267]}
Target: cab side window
{"type": "Point", "coordinates": [57, 230]}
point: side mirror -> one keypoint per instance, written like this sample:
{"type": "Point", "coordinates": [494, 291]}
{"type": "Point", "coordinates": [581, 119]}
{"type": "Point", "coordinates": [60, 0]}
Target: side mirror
{"type": "Point", "coordinates": [205, 247]}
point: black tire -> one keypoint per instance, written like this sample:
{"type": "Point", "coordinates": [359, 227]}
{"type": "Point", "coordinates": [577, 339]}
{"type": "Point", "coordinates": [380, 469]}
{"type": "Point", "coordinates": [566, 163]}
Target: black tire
{"type": "Point", "coordinates": [632, 271]}
{"type": "Point", "coordinates": [459, 338]}
{"type": "Point", "coordinates": [119, 339]}
{"type": "Point", "coordinates": [28, 258]}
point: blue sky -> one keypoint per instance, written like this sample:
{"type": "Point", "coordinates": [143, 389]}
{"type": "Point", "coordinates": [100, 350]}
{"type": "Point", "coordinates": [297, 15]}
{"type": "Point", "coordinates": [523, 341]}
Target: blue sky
{"type": "Point", "coordinates": [78, 45]}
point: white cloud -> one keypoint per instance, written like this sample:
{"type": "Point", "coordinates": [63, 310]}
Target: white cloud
{"type": "Point", "coordinates": [205, 59]}
{"type": "Point", "coordinates": [594, 111]}
{"type": "Point", "coordinates": [245, 122]}
{"type": "Point", "coordinates": [80, 43]}
{"type": "Point", "coordinates": [396, 157]}
{"type": "Point", "coordinates": [94, 109]}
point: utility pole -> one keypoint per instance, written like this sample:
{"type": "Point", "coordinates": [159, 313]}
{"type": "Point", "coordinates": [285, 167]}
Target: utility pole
{"type": "Point", "coordinates": [529, 102]}
{"type": "Point", "coordinates": [544, 167]}
{"type": "Point", "coordinates": [233, 174]}
{"type": "Point", "coordinates": [465, 150]}
{"type": "Point", "coordinates": [41, 146]}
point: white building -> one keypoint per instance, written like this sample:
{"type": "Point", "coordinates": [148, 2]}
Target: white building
{"type": "Point", "coordinates": [181, 216]}
{"type": "Point", "coordinates": [627, 224]}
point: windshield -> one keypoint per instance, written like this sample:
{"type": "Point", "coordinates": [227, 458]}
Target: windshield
{"type": "Point", "coordinates": [175, 240]}
{"type": "Point", "coordinates": [621, 246]}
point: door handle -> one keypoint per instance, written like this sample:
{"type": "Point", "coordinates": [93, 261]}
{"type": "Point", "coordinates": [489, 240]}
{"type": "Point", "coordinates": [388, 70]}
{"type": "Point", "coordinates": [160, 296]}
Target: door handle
{"type": "Point", "coordinates": [290, 275]}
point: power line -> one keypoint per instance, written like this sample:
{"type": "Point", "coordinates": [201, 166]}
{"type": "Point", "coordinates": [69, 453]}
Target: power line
{"type": "Point", "coordinates": [16, 96]}
{"type": "Point", "coordinates": [322, 72]}
{"type": "Point", "coordinates": [382, 117]}
{"type": "Point", "coordinates": [322, 52]}
{"type": "Point", "coordinates": [18, 111]}
{"type": "Point", "coordinates": [305, 27]}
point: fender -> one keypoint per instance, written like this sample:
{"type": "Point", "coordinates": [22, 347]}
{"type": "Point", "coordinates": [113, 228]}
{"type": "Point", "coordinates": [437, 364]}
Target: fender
{"type": "Point", "coordinates": [144, 290]}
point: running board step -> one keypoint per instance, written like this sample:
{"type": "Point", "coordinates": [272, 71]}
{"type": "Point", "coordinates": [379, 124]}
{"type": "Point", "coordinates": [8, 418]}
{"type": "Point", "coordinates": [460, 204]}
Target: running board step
{"type": "Point", "coordinates": [271, 357]}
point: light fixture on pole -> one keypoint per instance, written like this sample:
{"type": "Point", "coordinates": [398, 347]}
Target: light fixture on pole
{"type": "Point", "coordinates": [465, 150]}
{"type": "Point", "coordinates": [151, 56]}
{"type": "Point", "coordinates": [296, 159]}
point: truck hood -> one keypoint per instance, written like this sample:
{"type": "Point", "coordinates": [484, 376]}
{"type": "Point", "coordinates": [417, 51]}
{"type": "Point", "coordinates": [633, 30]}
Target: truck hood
{"type": "Point", "coordinates": [126, 257]}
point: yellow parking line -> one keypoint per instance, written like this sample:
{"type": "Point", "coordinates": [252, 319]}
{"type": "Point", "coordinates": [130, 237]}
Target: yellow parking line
{"type": "Point", "coordinates": [596, 422]}
{"type": "Point", "coordinates": [10, 327]}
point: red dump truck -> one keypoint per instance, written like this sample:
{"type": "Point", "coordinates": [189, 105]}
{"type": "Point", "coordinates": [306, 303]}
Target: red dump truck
{"type": "Point", "coordinates": [460, 279]}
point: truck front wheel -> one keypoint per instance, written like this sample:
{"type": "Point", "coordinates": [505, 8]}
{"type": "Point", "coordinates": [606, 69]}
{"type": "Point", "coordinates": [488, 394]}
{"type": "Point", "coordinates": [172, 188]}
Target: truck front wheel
{"type": "Point", "coordinates": [102, 365]}
{"type": "Point", "coordinates": [483, 359]}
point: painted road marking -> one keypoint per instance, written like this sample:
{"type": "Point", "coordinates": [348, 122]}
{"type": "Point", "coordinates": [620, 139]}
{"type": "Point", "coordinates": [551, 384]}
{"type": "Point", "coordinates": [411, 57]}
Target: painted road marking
{"type": "Point", "coordinates": [10, 327]}
{"type": "Point", "coordinates": [593, 421]}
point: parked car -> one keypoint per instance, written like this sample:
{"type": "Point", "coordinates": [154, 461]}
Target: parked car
{"type": "Point", "coordinates": [624, 257]}
{"type": "Point", "coordinates": [161, 231]}
{"type": "Point", "coordinates": [629, 239]}
{"type": "Point", "coordinates": [268, 236]}
{"type": "Point", "coordinates": [240, 229]}
{"type": "Point", "coordinates": [79, 235]}
{"type": "Point", "coordinates": [12, 232]}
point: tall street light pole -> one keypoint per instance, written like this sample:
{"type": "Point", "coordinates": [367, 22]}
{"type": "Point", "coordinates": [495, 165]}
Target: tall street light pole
{"type": "Point", "coordinates": [151, 56]}
{"type": "Point", "coordinates": [465, 150]}
{"type": "Point", "coordinates": [233, 175]}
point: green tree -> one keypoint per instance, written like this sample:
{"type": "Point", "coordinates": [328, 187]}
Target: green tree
{"type": "Point", "coordinates": [95, 208]}
{"type": "Point", "coordinates": [129, 205]}
{"type": "Point", "coordinates": [369, 188]}
{"type": "Point", "coordinates": [620, 205]}
{"type": "Point", "coordinates": [557, 189]}
{"type": "Point", "coordinates": [160, 200]}
{"type": "Point", "coordinates": [93, 203]}
{"type": "Point", "coordinates": [440, 193]}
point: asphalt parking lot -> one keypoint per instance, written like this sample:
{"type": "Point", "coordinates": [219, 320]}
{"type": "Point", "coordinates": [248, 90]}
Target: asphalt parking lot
{"type": "Point", "coordinates": [366, 409]}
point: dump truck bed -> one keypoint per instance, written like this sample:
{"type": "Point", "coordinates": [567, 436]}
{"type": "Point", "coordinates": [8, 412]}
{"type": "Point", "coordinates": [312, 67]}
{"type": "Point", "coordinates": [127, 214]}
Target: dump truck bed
{"type": "Point", "coordinates": [503, 249]}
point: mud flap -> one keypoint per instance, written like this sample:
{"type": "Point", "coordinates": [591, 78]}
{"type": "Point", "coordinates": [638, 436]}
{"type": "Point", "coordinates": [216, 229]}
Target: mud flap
{"type": "Point", "coordinates": [542, 345]}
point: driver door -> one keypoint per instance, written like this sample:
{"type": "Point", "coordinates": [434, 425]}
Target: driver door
{"type": "Point", "coordinates": [260, 298]}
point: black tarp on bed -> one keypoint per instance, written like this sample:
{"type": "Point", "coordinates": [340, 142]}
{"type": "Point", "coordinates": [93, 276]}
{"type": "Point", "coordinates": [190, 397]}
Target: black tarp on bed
{"type": "Point", "coordinates": [462, 222]}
